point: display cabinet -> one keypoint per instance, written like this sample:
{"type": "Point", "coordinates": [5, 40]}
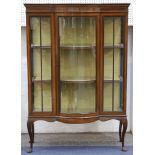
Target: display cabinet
{"type": "Point", "coordinates": [77, 63]}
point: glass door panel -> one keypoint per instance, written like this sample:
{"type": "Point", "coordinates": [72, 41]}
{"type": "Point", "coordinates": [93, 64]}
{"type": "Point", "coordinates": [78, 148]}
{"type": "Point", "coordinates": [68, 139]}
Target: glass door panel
{"type": "Point", "coordinates": [77, 48]}
{"type": "Point", "coordinates": [41, 63]}
{"type": "Point", "coordinates": [113, 63]}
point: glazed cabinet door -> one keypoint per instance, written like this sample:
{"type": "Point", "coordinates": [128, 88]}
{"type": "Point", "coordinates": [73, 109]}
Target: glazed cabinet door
{"type": "Point", "coordinates": [113, 43]}
{"type": "Point", "coordinates": [77, 60]}
{"type": "Point", "coordinates": [41, 63]}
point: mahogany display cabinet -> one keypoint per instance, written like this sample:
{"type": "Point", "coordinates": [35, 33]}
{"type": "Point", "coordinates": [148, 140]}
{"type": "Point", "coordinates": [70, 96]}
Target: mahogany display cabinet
{"type": "Point", "coordinates": [77, 64]}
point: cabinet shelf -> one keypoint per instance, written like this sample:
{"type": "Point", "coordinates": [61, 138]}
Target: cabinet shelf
{"type": "Point", "coordinates": [38, 46]}
{"type": "Point", "coordinates": [78, 81]}
{"type": "Point", "coordinates": [110, 81]}
{"type": "Point", "coordinates": [66, 47]}
{"type": "Point", "coordinates": [114, 46]}
{"type": "Point", "coordinates": [44, 81]}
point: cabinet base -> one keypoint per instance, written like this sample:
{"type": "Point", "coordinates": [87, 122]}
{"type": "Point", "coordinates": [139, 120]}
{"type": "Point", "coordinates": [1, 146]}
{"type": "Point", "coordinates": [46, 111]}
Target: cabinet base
{"type": "Point", "coordinates": [122, 127]}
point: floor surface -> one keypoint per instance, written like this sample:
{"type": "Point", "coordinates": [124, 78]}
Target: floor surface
{"type": "Point", "coordinates": [77, 143]}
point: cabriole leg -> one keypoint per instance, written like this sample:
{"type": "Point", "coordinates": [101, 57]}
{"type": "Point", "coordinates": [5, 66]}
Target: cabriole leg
{"type": "Point", "coordinates": [125, 124]}
{"type": "Point", "coordinates": [30, 127]}
{"type": "Point", "coordinates": [120, 131]}
{"type": "Point", "coordinates": [33, 132]}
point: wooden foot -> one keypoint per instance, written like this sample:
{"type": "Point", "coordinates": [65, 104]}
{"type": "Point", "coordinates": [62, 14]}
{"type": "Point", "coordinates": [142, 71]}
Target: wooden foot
{"type": "Point", "coordinates": [29, 150]}
{"type": "Point", "coordinates": [30, 127]}
{"type": "Point", "coordinates": [124, 149]}
{"type": "Point", "coordinates": [125, 124]}
{"type": "Point", "coordinates": [32, 132]}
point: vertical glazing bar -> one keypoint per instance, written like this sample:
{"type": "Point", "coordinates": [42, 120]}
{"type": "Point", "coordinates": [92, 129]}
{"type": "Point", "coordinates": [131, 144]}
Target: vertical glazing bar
{"type": "Point", "coordinates": [121, 64]}
{"type": "Point", "coordinates": [53, 81]}
{"type": "Point", "coordinates": [58, 53]}
{"type": "Point", "coordinates": [113, 67]}
{"type": "Point", "coordinates": [31, 56]}
{"type": "Point", "coordinates": [102, 60]}
{"type": "Point", "coordinates": [41, 68]}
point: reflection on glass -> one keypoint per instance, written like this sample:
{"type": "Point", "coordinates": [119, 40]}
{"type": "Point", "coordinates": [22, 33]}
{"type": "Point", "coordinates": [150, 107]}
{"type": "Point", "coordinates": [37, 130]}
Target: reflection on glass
{"type": "Point", "coordinates": [77, 64]}
{"type": "Point", "coordinates": [113, 62]}
{"type": "Point", "coordinates": [41, 63]}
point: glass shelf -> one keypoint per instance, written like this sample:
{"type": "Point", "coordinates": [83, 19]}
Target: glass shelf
{"type": "Point", "coordinates": [110, 81]}
{"type": "Point", "coordinates": [38, 46]}
{"type": "Point", "coordinates": [66, 47]}
{"type": "Point", "coordinates": [114, 46]}
{"type": "Point", "coordinates": [79, 81]}
{"type": "Point", "coordinates": [45, 81]}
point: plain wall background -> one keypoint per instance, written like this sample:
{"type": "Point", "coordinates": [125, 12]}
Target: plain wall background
{"type": "Point", "coordinates": [49, 127]}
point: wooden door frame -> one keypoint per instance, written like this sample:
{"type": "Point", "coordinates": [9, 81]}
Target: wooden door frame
{"type": "Point", "coordinates": [29, 63]}
{"type": "Point", "coordinates": [125, 40]}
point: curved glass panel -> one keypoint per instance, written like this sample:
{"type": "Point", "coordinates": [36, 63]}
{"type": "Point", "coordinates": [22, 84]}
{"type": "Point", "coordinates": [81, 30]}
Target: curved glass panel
{"type": "Point", "coordinates": [77, 48]}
